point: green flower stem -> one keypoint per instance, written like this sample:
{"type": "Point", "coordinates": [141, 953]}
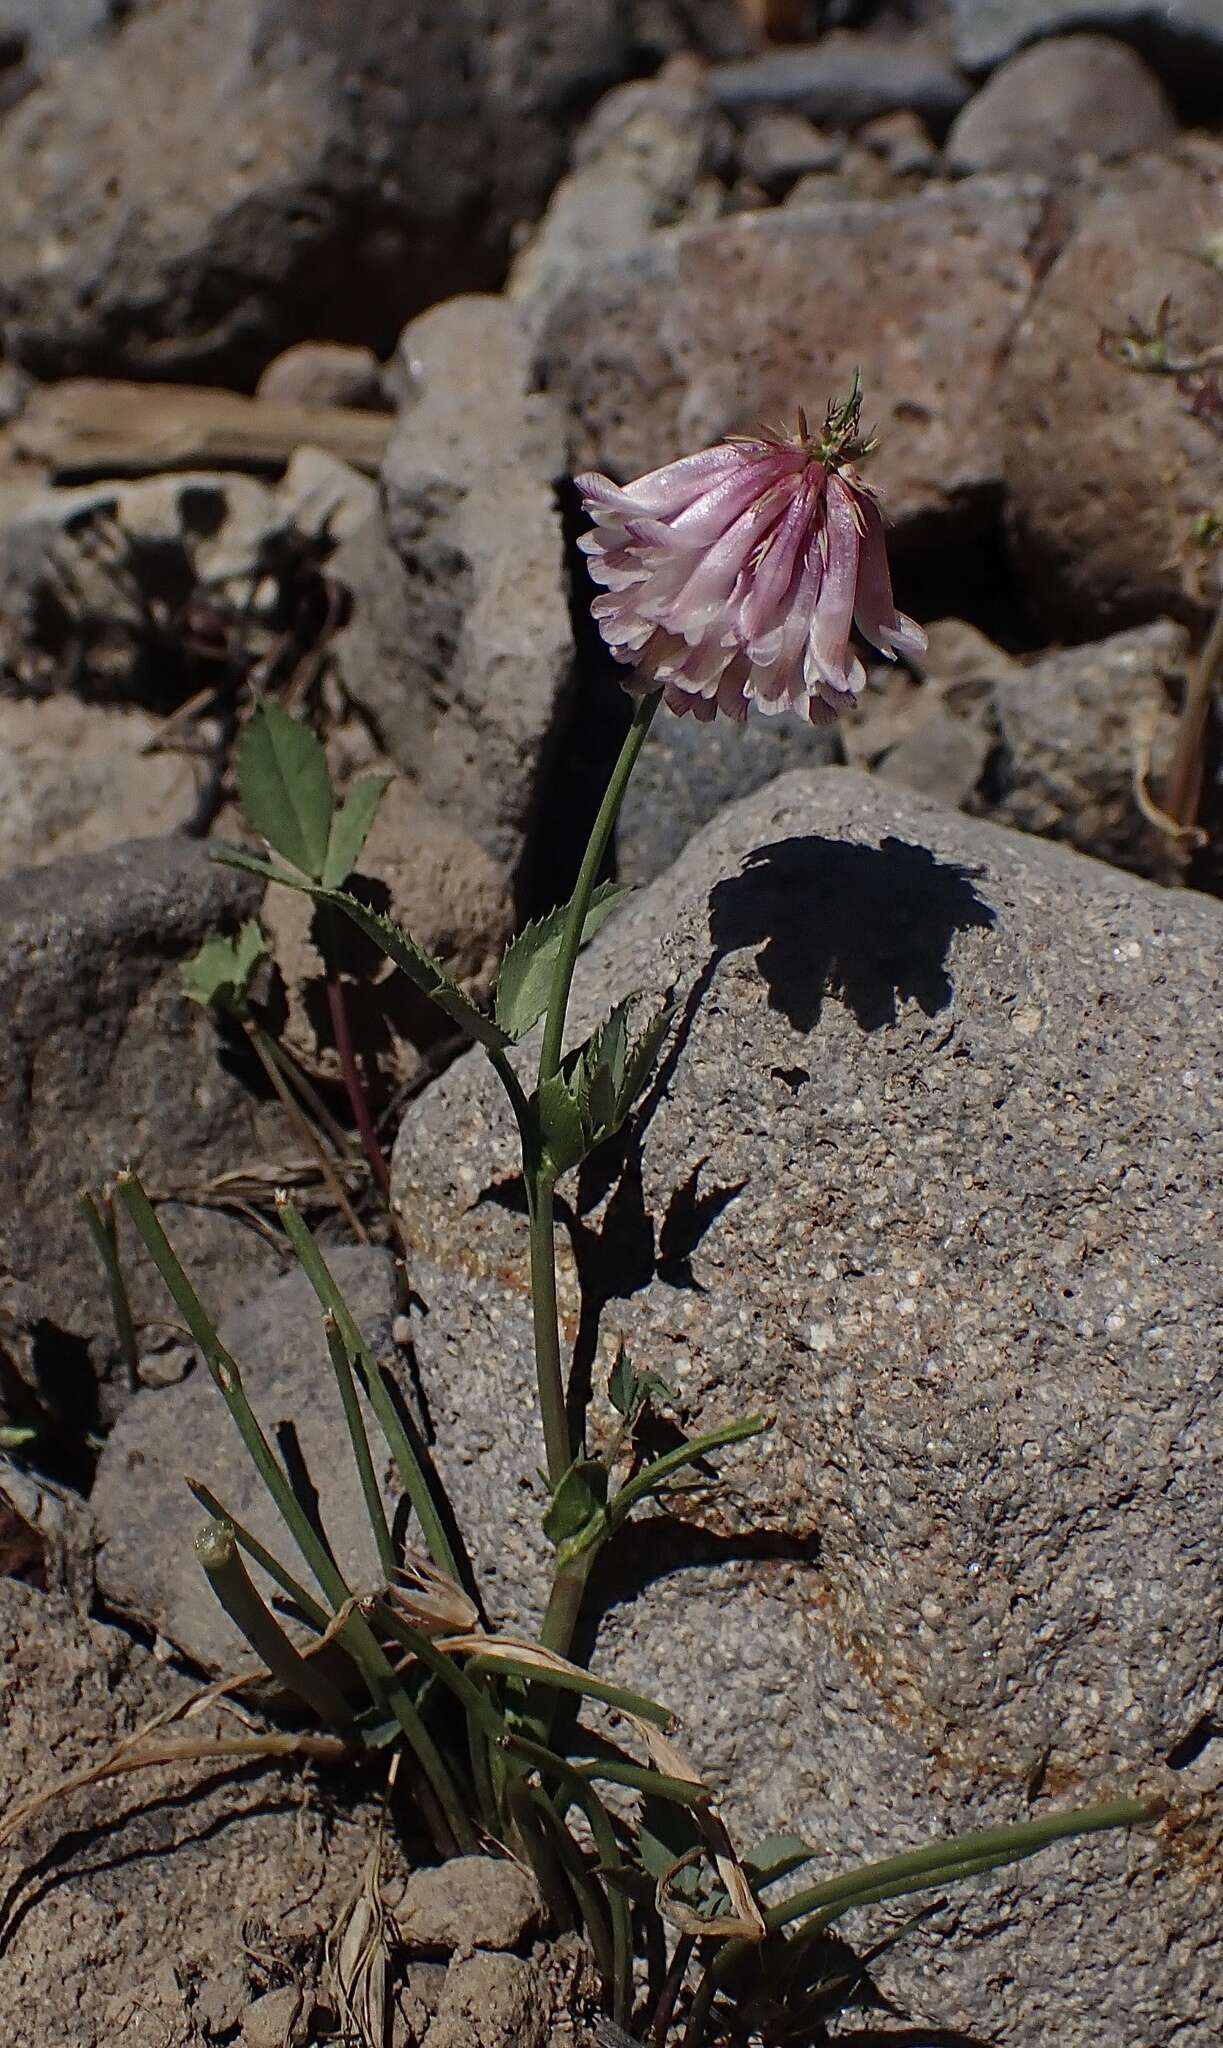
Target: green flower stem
{"type": "Point", "coordinates": [588, 875]}
{"type": "Point", "coordinates": [541, 1181]}
{"type": "Point", "coordinates": [485, 1726]}
{"type": "Point", "coordinates": [939, 1863]}
{"type": "Point", "coordinates": [224, 1371]}
{"type": "Point", "coordinates": [357, 1636]}
{"type": "Point", "coordinates": [317, 1617]}
{"type": "Point", "coordinates": [565, 1600]}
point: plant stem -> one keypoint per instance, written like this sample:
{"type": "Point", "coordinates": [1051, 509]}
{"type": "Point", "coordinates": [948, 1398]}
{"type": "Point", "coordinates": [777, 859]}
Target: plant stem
{"type": "Point", "coordinates": [550, 1378]}
{"type": "Point", "coordinates": [565, 1601]}
{"type": "Point", "coordinates": [588, 875]}
{"type": "Point", "coordinates": [1184, 785]}
{"type": "Point", "coordinates": [100, 1216]}
{"type": "Point", "coordinates": [338, 1010]}
{"type": "Point", "coordinates": [549, 1372]}
{"type": "Point", "coordinates": [660, 2026]}
{"type": "Point", "coordinates": [305, 1128]}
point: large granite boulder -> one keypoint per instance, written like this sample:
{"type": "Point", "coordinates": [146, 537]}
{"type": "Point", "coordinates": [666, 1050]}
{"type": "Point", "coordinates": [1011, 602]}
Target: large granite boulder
{"type": "Point", "coordinates": [708, 330]}
{"type": "Point", "coordinates": [929, 1174]}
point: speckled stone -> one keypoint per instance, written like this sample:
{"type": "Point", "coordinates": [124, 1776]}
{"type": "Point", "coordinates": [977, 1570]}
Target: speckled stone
{"type": "Point", "coordinates": [1103, 535]}
{"type": "Point", "coordinates": [929, 1174]}
{"type": "Point", "coordinates": [710, 330]}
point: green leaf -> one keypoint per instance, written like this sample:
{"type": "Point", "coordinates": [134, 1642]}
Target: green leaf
{"type": "Point", "coordinates": [629, 1391]}
{"type": "Point", "coordinates": [640, 1062]}
{"type": "Point", "coordinates": [15, 1435]}
{"type": "Point", "coordinates": [285, 788]}
{"type": "Point", "coordinates": [350, 828]}
{"type": "Point", "coordinates": [622, 1384]}
{"type": "Point", "coordinates": [668, 1833]}
{"type": "Point", "coordinates": [603, 1072]}
{"type": "Point", "coordinates": [223, 969]}
{"type": "Point", "coordinates": [426, 973]}
{"type": "Point", "coordinates": [576, 1508]}
{"type": "Point", "coordinates": [566, 1134]}
{"type": "Point", "coordinates": [525, 984]}
{"type": "Point", "coordinates": [776, 1857]}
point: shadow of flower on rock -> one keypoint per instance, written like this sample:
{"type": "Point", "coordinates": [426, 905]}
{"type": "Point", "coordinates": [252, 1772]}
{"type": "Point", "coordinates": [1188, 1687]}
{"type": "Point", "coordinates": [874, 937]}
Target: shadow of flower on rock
{"type": "Point", "coordinates": [871, 926]}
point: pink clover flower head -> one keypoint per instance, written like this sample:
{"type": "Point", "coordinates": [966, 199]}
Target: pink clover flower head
{"type": "Point", "coordinates": [733, 577]}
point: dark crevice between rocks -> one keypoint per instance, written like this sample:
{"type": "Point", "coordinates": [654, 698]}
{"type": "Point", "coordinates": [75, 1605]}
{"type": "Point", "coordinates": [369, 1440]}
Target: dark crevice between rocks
{"type": "Point", "coordinates": [963, 570]}
{"type": "Point", "coordinates": [584, 749]}
{"type": "Point", "coordinates": [59, 1402]}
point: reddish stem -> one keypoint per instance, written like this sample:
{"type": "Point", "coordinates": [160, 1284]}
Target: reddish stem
{"type": "Point", "coordinates": [354, 1084]}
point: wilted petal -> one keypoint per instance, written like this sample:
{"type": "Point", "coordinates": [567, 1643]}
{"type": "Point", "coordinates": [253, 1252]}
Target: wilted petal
{"type": "Point", "coordinates": [875, 613]}
{"type": "Point", "coordinates": [828, 642]}
{"type": "Point", "coordinates": [663, 492]}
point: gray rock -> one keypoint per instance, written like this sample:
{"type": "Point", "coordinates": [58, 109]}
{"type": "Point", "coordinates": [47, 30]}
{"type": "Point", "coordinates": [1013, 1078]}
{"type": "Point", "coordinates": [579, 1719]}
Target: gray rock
{"type": "Point", "coordinates": [1071, 728]}
{"type": "Point", "coordinates": [901, 141]}
{"type": "Point", "coordinates": [846, 79]}
{"type": "Point", "coordinates": [779, 147]}
{"type": "Point", "coordinates": [330, 172]}
{"type": "Point", "coordinates": [927, 1177]}
{"type": "Point", "coordinates": [75, 778]}
{"type": "Point", "coordinates": [492, 2002]}
{"type": "Point", "coordinates": [644, 160]}
{"type": "Point", "coordinates": [459, 650]}
{"type": "Point", "coordinates": [146, 1518]}
{"type": "Point", "coordinates": [1050, 746]}
{"type": "Point", "coordinates": [470, 1902]}
{"type": "Point", "coordinates": [688, 772]}
{"type": "Point", "coordinates": [1059, 102]}
{"type": "Point", "coordinates": [325, 373]}
{"type": "Point", "coordinates": [711, 330]}
{"type": "Point", "coordinates": [1184, 37]}
{"type": "Point", "coordinates": [1104, 536]}
{"type": "Point", "coordinates": [104, 1061]}
{"type": "Point", "coordinates": [43, 29]}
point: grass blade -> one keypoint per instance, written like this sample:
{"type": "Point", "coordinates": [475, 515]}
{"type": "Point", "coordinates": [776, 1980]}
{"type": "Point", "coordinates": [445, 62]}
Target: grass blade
{"type": "Point", "coordinates": [411, 1458]}
{"type": "Point", "coordinates": [371, 1491]}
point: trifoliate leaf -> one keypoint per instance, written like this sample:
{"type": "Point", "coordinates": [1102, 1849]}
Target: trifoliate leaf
{"type": "Point", "coordinates": [350, 828]}
{"type": "Point", "coordinates": [527, 971]}
{"type": "Point", "coordinates": [285, 788]}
